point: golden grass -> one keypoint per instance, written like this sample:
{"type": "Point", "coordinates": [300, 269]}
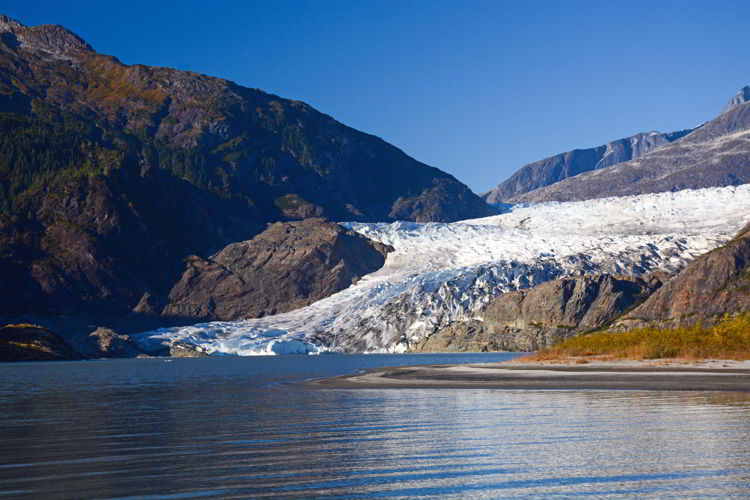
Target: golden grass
{"type": "Point", "coordinates": [20, 325]}
{"type": "Point", "coordinates": [729, 339]}
{"type": "Point", "coordinates": [30, 346]}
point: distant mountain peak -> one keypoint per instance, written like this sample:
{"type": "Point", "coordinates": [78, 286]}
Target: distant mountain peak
{"type": "Point", "coordinates": [739, 98]}
{"type": "Point", "coordinates": [564, 165]}
{"type": "Point", "coordinates": [45, 39]}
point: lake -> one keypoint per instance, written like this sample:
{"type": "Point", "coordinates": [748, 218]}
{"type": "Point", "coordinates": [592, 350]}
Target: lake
{"type": "Point", "coordinates": [245, 427]}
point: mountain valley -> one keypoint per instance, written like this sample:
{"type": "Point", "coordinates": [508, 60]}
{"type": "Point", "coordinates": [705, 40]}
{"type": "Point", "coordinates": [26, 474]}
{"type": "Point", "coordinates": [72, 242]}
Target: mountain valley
{"type": "Point", "coordinates": [151, 211]}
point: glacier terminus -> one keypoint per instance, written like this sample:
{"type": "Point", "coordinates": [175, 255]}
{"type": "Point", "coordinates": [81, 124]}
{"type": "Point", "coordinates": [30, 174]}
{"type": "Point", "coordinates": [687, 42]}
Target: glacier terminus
{"type": "Point", "coordinates": [439, 273]}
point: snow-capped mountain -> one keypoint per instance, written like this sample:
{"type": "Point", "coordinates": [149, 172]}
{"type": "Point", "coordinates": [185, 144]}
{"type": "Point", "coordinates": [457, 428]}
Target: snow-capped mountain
{"type": "Point", "coordinates": [443, 272]}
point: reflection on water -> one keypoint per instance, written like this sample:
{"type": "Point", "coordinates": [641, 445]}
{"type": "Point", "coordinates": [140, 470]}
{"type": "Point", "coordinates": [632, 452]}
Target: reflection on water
{"type": "Point", "coordinates": [241, 427]}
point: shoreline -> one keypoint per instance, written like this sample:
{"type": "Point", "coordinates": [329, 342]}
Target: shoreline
{"type": "Point", "coordinates": [715, 375]}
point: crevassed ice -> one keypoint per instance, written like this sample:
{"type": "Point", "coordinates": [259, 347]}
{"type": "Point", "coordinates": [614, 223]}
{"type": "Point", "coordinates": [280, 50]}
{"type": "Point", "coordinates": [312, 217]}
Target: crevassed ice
{"type": "Point", "coordinates": [439, 273]}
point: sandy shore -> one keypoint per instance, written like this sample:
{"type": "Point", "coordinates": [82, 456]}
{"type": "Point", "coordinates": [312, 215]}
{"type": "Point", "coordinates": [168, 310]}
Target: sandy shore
{"type": "Point", "coordinates": [618, 375]}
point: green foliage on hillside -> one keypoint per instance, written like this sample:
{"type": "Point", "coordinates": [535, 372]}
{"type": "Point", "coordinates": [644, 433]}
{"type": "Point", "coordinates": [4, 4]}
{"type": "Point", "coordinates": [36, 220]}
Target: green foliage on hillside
{"type": "Point", "coordinates": [37, 155]}
{"type": "Point", "coordinates": [44, 151]}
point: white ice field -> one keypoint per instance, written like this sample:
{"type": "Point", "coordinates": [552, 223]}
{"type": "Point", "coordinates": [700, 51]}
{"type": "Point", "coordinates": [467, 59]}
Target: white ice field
{"type": "Point", "coordinates": [443, 272]}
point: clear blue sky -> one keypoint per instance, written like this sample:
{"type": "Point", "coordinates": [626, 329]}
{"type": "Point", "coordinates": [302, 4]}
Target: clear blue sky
{"type": "Point", "coordinates": [474, 88]}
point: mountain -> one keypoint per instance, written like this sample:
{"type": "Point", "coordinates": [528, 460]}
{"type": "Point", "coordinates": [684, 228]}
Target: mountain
{"type": "Point", "coordinates": [562, 166]}
{"type": "Point", "coordinates": [715, 154]}
{"type": "Point", "coordinates": [111, 174]}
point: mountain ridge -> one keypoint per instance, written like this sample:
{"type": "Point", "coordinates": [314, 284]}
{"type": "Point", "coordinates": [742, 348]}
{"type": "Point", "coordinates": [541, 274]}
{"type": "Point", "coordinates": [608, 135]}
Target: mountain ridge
{"type": "Point", "coordinates": [716, 154]}
{"type": "Point", "coordinates": [571, 163]}
{"type": "Point", "coordinates": [672, 162]}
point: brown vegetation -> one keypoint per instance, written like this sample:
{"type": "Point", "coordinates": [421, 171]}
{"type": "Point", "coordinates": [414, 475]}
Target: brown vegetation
{"type": "Point", "coordinates": [728, 339]}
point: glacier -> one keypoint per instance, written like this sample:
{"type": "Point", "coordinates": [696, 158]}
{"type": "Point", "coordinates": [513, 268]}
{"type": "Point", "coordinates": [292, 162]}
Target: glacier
{"type": "Point", "coordinates": [439, 273]}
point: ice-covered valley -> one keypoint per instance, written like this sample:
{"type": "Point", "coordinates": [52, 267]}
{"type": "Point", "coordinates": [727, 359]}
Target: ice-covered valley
{"type": "Point", "coordinates": [440, 273]}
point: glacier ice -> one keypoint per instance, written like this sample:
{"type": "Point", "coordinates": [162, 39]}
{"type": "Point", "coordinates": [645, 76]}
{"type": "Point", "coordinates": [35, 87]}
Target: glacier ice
{"type": "Point", "coordinates": [443, 272]}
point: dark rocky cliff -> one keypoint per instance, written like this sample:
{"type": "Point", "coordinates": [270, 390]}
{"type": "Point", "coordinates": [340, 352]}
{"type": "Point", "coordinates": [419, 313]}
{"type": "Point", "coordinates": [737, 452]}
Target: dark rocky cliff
{"type": "Point", "coordinates": [25, 342]}
{"type": "Point", "coordinates": [740, 98]}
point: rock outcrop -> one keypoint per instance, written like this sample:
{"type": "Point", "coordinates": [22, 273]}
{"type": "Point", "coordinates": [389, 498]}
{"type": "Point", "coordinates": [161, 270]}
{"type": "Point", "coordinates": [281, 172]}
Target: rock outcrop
{"type": "Point", "coordinates": [26, 342]}
{"type": "Point", "coordinates": [105, 343]}
{"type": "Point", "coordinates": [715, 284]}
{"type": "Point", "coordinates": [562, 166]}
{"type": "Point", "coordinates": [739, 99]}
{"type": "Point", "coordinates": [288, 266]}
{"type": "Point", "coordinates": [525, 320]}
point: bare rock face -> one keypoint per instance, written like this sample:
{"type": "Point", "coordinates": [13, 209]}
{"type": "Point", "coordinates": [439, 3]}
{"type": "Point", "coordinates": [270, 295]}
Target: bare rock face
{"type": "Point", "coordinates": [288, 266]}
{"type": "Point", "coordinates": [528, 319]}
{"type": "Point", "coordinates": [428, 205]}
{"type": "Point", "coordinates": [107, 343]}
{"type": "Point", "coordinates": [739, 99]}
{"type": "Point", "coordinates": [182, 350]}
{"type": "Point", "coordinates": [48, 40]}
{"type": "Point", "coordinates": [714, 284]}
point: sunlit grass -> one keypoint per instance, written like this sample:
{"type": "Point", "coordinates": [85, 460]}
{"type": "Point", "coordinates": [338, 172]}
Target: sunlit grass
{"type": "Point", "coordinates": [20, 325]}
{"type": "Point", "coordinates": [729, 339]}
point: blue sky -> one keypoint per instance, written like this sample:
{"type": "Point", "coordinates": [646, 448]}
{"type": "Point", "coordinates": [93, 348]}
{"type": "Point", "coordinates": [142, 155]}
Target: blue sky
{"type": "Point", "coordinates": [474, 88]}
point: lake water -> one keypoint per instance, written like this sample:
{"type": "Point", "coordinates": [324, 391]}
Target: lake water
{"type": "Point", "coordinates": [244, 427]}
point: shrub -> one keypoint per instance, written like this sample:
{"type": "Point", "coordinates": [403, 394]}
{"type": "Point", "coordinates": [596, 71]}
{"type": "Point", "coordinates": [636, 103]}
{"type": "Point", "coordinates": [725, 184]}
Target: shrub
{"type": "Point", "coordinates": [728, 339]}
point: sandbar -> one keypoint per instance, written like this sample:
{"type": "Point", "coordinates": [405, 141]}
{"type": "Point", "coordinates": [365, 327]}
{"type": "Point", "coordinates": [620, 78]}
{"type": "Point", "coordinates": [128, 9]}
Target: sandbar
{"type": "Point", "coordinates": [716, 375]}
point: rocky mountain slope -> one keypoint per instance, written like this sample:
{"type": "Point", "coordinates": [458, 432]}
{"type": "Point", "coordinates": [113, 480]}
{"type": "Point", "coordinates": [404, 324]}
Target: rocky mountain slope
{"type": "Point", "coordinates": [111, 174]}
{"type": "Point", "coordinates": [562, 166]}
{"type": "Point", "coordinates": [442, 274]}
{"type": "Point", "coordinates": [288, 266]}
{"type": "Point", "coordinates": [716, 154]}
{"type": "Point", "coordinates": [525, 320]}
{"type": "Point", "coordinates": [715, 284]}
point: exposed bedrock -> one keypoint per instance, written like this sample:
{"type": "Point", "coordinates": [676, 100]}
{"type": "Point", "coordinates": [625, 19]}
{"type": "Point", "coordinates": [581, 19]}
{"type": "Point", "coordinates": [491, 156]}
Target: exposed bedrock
{"type": "Point", "coordinates": [288, 266]}
{"type": "Point", "coordinates": [714, 284]}
{"type": "Point", "coordinates": [531, 318]}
